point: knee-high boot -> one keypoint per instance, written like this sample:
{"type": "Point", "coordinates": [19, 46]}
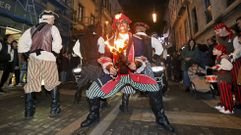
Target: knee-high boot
{"type": "Point", "coordinates": [125, 102]}
{"type": "Point", "coordinates": [157, 108]}
{"type": "Point", "coordinates": [94, 115]}
{"type": "Point", "coordinates": [103, 103]}
{"type": "Point", "coordinates": [55, 106]}
{"type": "Point", "coordinates": [29, 106]}
{"type": "Point", "coordinates": [77, 96]}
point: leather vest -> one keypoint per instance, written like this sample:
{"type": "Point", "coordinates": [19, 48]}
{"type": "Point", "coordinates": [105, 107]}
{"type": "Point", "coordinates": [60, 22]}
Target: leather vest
{"type": "Point", "coordinates": [42, 38]}
{"type": "Point", "coordinates": [89, 50]}
{"type": "Point", "coordinates": [143, 47]}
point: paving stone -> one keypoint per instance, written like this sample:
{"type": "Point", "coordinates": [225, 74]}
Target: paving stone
{"type": "Point", "coordinates": [187, 114]}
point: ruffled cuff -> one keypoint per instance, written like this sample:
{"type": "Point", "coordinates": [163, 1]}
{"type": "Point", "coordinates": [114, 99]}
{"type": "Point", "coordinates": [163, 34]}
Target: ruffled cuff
{"type": "Point", "coordinates": [141, 64]}
{"type": "Point", "coordinates": [106, 67]}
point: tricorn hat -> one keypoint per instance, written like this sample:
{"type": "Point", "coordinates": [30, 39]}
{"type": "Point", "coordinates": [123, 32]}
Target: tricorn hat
{"type": "Point", "coordinates": [119, 18]}
{"type": "Point", "coordinates": [141, 24]}
{"type": "Point", "coordinates": [48, 13]}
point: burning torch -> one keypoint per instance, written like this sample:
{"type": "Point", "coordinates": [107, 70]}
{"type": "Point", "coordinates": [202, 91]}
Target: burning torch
{"type": "Point", "coordinates": [118, 48]}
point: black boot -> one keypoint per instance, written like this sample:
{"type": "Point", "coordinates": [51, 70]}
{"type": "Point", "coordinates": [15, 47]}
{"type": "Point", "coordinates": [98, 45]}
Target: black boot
{"type": "Point", "coordinates": [55, 107]}
{"type": "Point", "coordinates": [103, 103]}
{"type": "Point", "coordinates": [94, 115]}
{"type": "Point", "coordinates": [125, 102]}
{"type": "Point", "coordinates": [29, 106]}
{"type": "Point", "coordinates": [77, 96]}
{"type": "Point", "coordinates": [157, 108]}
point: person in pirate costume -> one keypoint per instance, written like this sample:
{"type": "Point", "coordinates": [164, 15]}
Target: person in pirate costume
{"type": "Point", "coordinates": [223, 67]}
{"type": "Point", "coordinates": [89, 48]}
{"type": "Point", "coordinates": [40, 43]}
{"type": "Point", "coordinates": [144, 46]}
{"type": "Point", "coordinates": [224, 36]}
{"type": "Point", "coordinates": [236, 58]}
{"type": "Point", "coordinates": [120, 66]}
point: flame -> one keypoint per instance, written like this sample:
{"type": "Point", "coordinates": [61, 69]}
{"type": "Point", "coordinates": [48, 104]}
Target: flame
{"type": "Point", "coordinates": [120, 43]}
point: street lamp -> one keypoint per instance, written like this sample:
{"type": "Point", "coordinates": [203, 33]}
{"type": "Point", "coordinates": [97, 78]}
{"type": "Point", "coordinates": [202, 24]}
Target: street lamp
{"type": "Point", "coordinates": [154, 16]}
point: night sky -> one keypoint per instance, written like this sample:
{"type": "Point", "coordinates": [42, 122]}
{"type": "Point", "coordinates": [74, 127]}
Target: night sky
{"type": "Point", "coordinates": [141, 10]}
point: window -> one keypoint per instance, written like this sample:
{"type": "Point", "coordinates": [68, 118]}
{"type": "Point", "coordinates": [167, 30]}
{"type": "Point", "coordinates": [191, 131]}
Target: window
{"type": "Point", "coordinates": [80, 12]}
{"type": "Point", "coordinates": [194, 20]}
{"type": "Point", "coordinates": [229, 2]}
{"type": "Point", "coordinates": [92, 19]}
{"type": "Point", "coordinates": [208, 10]}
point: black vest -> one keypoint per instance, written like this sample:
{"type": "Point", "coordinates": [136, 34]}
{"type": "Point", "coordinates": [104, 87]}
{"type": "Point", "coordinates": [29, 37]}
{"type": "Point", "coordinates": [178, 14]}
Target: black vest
{"type": "Point", "coordinates": [4, 56]}
{"type": "Point", "coordinates": [143, 47]}
{"type": "Point", "coordinates": [89, 50]}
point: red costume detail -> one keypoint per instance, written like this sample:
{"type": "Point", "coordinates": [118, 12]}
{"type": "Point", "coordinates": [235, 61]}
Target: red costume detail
{"type": "Point", "coordinates": [138, 78]}
{"type": "Point", "coordinates": [221, 48]}
{"type": "Point", "coordinates": [221, 26]}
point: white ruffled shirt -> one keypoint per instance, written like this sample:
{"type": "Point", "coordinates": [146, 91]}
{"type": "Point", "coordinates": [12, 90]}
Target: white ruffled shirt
{"type": "Point", "coordinates": [237, 48]}
{"type": "Point", "coordinates": [25, 43]}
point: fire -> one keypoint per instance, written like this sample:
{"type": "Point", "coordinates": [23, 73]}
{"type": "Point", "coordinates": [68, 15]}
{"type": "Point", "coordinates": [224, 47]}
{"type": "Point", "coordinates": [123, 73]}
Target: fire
{"type": "Point", "coordinates": [120, 43]}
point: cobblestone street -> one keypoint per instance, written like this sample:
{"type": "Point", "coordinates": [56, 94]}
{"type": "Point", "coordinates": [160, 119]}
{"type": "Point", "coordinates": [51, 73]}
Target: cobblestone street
{"type": "Point", "coordinates": [187, 114]}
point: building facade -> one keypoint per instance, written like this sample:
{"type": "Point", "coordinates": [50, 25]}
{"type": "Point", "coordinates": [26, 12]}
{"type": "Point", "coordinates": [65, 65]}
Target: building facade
{"type": "Point", "coordinates": [74, 15]}
{"type": "Point", "coordinates": [196, 18]}
{"type": "Point", "coordinates": [18, 15]}
{"type": "Point", "coordinates": [87, 12]}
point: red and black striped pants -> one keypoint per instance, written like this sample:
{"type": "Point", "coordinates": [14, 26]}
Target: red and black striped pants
{"type": "Point", "coordinates": [226, 96]}
{"type": "Point", "coordinates": [237, 88]}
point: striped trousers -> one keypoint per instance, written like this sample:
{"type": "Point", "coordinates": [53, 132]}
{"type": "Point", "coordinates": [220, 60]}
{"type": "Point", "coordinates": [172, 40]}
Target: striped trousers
{"type": "Point", "coordinates": [226, 96]}
{"type": "Point", "coordinates": [38, 71]}
{"type": "Point", "coordinates": [237, 88]}
{"type": "Point", "coordinates": [147, 71]}
{"type": "Point", "coordinates": [95, 91]}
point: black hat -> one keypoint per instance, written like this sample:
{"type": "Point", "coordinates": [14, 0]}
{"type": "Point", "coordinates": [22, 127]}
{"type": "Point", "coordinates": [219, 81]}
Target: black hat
{"type": "Point", "coordinates": [141, 24]}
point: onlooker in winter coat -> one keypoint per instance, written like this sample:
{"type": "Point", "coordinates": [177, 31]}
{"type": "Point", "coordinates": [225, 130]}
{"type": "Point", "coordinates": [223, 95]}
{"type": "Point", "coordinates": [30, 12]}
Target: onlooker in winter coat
{"type": "Point", "coordinates": [189, 56]}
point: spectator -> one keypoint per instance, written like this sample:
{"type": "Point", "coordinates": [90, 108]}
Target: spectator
{"type": "Point", "coordinates": [177, 67]}
{"type": "Point", "coordinates": [23, 69]}
{"type": "Point", "coordinates": [204, 58]}
{"type": "Point", "coordinates": [63, 62]}
{"type": "Point", "coordinates": [16, 62]}
{"type": "Point", "coordinates": [211, 42]}
{"type": "Point", "coordinates": [189, 56]}
{"type": "Point", "coordinates": [6, 60]}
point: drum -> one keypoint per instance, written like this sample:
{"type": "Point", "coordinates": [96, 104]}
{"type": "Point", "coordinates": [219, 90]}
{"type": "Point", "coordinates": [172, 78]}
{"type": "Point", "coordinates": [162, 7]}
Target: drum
{"type": "Point", "coordinates": [211, 78]}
